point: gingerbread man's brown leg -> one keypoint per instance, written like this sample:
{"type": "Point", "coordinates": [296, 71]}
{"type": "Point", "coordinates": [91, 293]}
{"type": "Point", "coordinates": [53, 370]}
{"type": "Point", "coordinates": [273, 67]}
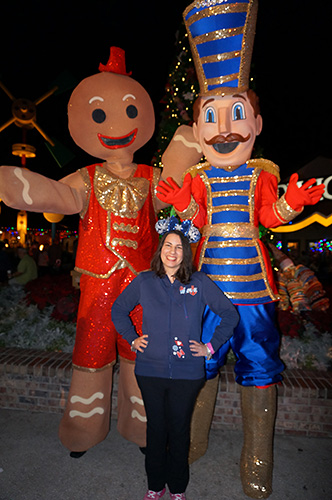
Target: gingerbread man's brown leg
{"type": "Point", "coordinates": [131, 412]}
{"type": "Point", "coordinates": [86, 420]}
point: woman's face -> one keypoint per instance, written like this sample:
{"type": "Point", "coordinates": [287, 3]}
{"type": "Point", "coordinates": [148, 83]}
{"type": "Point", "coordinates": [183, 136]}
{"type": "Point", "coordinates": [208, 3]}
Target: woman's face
{"type": "Point", "coordinates": [172, 253]}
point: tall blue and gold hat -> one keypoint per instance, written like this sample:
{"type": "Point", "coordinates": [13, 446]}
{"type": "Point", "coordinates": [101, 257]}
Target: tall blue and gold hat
{"type": "Point", "coordinates": [221, 35]}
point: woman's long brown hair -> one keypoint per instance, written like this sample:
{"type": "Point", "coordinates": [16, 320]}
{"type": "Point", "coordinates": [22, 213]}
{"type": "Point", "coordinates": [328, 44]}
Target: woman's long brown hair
{"type": "Point", "coordinates": [186, 268]}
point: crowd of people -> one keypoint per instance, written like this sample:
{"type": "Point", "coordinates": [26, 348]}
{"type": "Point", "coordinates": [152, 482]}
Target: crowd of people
{"type": "Point", "coordinates": [19, 265]}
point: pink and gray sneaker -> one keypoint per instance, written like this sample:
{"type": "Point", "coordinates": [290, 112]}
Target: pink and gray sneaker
{"type": "Point", "coordinates": [154, 495]}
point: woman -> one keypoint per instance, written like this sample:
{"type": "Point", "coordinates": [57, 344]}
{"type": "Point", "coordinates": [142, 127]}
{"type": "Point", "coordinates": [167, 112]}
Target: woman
{"type": "Point", "coordinates": [169, 363]}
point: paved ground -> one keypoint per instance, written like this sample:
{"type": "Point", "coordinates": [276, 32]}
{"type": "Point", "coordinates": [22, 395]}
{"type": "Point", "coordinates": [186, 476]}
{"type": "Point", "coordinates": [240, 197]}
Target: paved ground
{"type": "Point", "coordinates": [35, 466]}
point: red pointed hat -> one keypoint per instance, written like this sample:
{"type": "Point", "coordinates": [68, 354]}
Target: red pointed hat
{"type": "Point", "coordinates": [116, 62]}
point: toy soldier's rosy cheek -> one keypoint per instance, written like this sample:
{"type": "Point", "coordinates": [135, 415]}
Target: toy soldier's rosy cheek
{"type": "Point", "coordinates": [98, 115]}
{"type": "Point", "coordinates": [132, 111]}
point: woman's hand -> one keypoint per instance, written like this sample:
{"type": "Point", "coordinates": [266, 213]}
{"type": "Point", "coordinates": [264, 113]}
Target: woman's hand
{"type": "Point", "coordinates": [198, 349]}
{"type": "Point", "coordinates": [140, 343]}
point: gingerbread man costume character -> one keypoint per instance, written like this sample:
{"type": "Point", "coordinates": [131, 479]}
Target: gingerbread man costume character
{"type": "Point", "coordinates": [110, 117]}
{"type": "Point", "coordinates": [227, 197]}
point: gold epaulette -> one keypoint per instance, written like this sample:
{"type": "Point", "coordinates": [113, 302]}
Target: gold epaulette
{"type": "Point", "coordinates": [266, 165]}
{"type": "Point", "coordinates": [196, 169]}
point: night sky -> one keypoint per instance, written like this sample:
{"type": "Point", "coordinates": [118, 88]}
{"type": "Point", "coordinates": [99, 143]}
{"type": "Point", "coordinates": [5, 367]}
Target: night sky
{"type": "Point", "coordinates": [41, 40]}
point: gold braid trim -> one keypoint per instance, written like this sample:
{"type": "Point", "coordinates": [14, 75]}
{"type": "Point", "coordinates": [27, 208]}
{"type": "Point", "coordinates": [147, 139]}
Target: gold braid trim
{"type": "Point", "coordinates": [155, 180]}
{"type": "Point", "coordinates": [193, 207]}
{"type": "Point", "coordinates": [261, 163]}
{"type": "Point", "coordinates": [246, 295]}
{"type": "Point", "coordinates": [190, 211]}
{"type": "Point", "coordinates": [283, 211]}
{"type": "Point", "coordinates": [86, 179]}
{"type": "Point", "coordinates": [125, 360]}
{"type": "Point", "coordinates": [196, 169]}
{"type": "Point", "coordinates": [231, 230]}
{"type": "Point", "coordinates": [93, 370]}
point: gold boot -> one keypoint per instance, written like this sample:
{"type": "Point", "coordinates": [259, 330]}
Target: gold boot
{"type": "Point", "coordinates": [202, 418]}
{"type": "Point", "coordinates": [258, 416]}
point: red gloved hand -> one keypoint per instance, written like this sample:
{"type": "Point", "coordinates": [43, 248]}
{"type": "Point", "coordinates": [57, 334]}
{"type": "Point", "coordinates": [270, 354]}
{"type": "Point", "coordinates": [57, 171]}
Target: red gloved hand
{"type": "Point", "coordinates": [170, 192]}
{"type": "Point", "coordinates": [305, 195]}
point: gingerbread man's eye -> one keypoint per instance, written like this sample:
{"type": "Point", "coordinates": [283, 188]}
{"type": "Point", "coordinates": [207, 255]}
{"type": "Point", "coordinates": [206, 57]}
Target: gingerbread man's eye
{"type": "Point", "coordinates": [132, 111]}
{"type": "Point", "coordinates": [98, 115]}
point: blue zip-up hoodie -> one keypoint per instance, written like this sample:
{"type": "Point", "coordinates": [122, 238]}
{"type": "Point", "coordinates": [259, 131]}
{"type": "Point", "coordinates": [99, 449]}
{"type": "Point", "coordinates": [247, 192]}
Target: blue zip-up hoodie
{"type": "Point", "coordinates": [172, 315]}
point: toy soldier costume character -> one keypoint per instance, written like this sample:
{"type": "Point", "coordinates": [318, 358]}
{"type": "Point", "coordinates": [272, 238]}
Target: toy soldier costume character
{"type": "Point", "coordinates": [227, 197]}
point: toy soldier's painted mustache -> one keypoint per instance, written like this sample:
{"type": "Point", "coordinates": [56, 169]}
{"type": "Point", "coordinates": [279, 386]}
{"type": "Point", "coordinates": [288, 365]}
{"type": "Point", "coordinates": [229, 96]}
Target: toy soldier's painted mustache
{"type": "Point", "coordinates": [226, 144]}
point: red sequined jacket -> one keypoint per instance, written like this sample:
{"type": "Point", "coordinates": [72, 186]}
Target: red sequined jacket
{"type": "Point", "coordinates": [117, 223]}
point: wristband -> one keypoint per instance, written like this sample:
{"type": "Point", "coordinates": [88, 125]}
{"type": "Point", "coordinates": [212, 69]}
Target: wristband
{"type": "Point", "coordinates": [133, 348]}
{"type": "Point", "coordinates": [209, 352]}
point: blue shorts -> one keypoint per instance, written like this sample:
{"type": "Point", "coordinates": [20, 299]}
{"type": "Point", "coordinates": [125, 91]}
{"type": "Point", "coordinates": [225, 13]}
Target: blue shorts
{"type": "Point", "coordinates": [255, 343]}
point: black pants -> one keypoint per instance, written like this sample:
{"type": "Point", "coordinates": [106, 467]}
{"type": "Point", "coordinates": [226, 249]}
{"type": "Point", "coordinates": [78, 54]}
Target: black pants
{"type": "Point", "coordinates": [169, 405]}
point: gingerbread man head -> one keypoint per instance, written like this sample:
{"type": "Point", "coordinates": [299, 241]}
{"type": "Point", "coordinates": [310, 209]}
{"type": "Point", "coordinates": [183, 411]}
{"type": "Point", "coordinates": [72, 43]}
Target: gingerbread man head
{"type": "Point", "coordinates": [110, 115]}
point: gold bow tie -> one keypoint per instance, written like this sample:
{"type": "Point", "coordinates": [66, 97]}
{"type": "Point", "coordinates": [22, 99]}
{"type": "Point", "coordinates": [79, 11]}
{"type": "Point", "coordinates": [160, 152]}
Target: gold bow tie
{"type": "Point", "coordinates": [123, 197]}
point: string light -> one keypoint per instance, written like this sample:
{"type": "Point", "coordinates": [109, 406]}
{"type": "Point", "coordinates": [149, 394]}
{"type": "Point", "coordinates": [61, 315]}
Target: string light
{"type": "Point", "coordinates": [321, 245]}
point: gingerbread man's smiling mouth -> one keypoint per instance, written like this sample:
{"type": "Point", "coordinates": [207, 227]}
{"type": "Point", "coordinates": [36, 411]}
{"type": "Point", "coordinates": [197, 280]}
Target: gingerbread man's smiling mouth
{"type": "Point", "coordinates": [118, 142]}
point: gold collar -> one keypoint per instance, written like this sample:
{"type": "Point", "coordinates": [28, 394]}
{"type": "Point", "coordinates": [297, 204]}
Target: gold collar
{"type": "Point", "coordinates": [123, 197]}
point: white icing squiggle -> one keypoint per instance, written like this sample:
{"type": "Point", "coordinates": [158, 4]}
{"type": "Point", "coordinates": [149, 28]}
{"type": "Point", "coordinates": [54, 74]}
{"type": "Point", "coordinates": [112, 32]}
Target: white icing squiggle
{"type": "Point", "coordinates": [187, 143]}
{"type": "Point", "coordinates": [135, 399]}
{"type": "Point", "coordinates": [135, 414]}
{"type": "Point", "coordinates": [87, 401]}
{"type": "Point", "coordinates": [75, 413]}
{"type": "Point", "coordinates": [26, 186]}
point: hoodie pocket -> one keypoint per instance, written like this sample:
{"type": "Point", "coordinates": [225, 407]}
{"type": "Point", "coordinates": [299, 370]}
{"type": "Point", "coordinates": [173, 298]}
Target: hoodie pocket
{"type": "Point", "coordinates": [156, 350]}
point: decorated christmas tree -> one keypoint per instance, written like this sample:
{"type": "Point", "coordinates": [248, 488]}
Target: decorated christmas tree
{"type": "Point", "coordinates": [181, 91]}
